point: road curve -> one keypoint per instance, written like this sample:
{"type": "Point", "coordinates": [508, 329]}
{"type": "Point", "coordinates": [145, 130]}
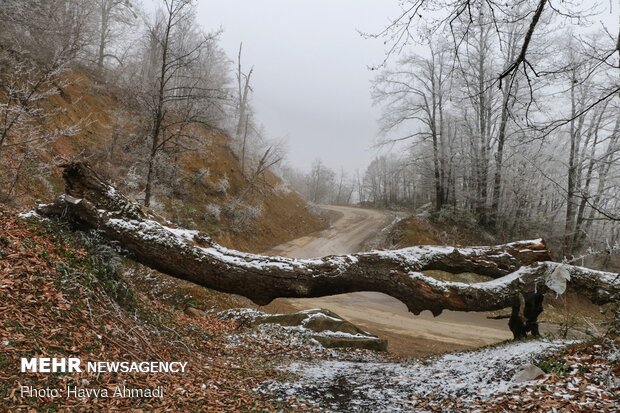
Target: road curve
{"type": "Point", "coordinates": [346, 235]}
{"type": "Point", "coordinates": [378, 313]}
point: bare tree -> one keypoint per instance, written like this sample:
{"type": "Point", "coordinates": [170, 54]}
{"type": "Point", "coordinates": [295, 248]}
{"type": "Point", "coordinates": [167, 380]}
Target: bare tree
{"type": "Point", "coordinates": [257, 180]}
{"type": "Point", "coordinates": [243, 118]}
{"type": "Point", "coordinates": [321, 182]}
{"type": "Point", "coordinates": [413, 95]}
{"type": "Point", "coordinates": [172, 90]}
{"type": "Point", "coordinates": [38, 43]}
{"type": "Point", "coordinates": [509, 92]}
{"type": "Point", "coordinates": [112, 16]}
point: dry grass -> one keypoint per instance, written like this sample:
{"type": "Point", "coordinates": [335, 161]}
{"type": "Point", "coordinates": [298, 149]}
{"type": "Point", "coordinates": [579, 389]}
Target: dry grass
{"type": "Point", "coordinates": [423, 231]}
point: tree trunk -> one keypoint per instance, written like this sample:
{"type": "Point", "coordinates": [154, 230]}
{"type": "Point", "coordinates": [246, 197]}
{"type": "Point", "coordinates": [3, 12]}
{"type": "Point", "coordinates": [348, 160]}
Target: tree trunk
{"type": "Point", "coordinates": [193, 256]}
{"type": "Point", "coordinates": [573, 163]}
{"type": "Point", "coordinates": [159, 110]}
{"type": "Point", "coordinates": [103, 27]}
{"type": "Point", "coordinates": [499, 158]}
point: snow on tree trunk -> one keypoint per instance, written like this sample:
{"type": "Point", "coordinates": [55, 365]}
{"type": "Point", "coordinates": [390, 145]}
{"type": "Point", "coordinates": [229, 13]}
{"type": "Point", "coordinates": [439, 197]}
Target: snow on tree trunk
{"type": "Point", "coordinates": [193, 256]}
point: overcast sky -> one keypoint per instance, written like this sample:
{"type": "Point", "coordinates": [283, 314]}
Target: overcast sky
{"type": "Point", "coordinates": [310, 80]}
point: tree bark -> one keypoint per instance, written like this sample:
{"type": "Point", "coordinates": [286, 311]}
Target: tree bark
{"type": "Point", "coordinates": [193, 256]}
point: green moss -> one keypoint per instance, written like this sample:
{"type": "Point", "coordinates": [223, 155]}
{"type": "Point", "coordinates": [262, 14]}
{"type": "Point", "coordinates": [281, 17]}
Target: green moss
{"type": "Point", "coordinates": [4, 362]}
{"type": "Point", "coordinates": [5, 389]}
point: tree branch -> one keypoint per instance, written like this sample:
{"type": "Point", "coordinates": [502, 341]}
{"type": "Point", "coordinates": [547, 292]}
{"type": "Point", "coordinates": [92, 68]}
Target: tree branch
{"type": "Point", "coordinates": [193, 256]}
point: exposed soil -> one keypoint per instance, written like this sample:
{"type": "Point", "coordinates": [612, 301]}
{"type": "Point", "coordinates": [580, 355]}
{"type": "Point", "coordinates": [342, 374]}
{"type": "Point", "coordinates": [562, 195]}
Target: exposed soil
{"type": "Point", "coordinates": [208, 175]}
{"type": "Point", "coordinates": [350, 229]}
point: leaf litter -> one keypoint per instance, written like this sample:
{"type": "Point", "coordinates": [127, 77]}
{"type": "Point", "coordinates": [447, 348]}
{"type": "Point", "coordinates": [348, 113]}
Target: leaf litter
{"type": "Point", "coordinates": [47, 310]}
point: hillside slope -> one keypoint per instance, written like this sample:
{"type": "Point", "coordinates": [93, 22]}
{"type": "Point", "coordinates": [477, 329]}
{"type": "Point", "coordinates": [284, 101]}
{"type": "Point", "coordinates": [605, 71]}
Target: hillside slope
{"type": "Point", "coordinates": [199, 184]}
{"type": "Point", "coordinates": [63, 296]}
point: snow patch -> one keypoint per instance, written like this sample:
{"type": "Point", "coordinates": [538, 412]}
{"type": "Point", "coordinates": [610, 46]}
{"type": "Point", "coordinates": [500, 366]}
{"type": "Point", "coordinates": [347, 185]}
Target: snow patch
{"type": "Point", "coordinates": [394, 387]}
{"type": "Point", "coordinates": [186, 234]}
{"type": "Point", "coordinates": [29, 214]}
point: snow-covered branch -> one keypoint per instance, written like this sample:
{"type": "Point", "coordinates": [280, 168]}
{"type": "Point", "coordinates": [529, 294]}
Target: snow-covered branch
{"type": "Point", "coordinates": [193, 256]}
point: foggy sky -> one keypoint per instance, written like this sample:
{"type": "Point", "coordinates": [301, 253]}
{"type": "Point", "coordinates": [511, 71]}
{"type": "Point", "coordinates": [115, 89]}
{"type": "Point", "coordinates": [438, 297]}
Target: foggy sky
{"type": "Point", "coordinates": [311, 79]}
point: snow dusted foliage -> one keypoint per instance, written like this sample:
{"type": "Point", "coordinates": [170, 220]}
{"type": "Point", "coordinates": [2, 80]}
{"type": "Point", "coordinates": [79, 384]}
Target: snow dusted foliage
{"type": "Point", "coordinates": [400, 387]}
{"type": "Point", "coordinates": [213, 212]}
{"type": "Point", "coordinates": [242, 215]}
{"type": "Point", "coordinates": [247, 215]}
{"type": "Point", "coordinates": [282, 188]}
{"type": "Point", "coordinates": [221, 186]}
{"type": "Point", "coordinates": [200, 174]}
{"type": "Point", "coordinates": [133, 180]}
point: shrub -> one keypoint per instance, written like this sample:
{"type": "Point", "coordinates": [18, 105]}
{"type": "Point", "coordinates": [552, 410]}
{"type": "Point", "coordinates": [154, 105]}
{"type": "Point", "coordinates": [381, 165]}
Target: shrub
{"type": "Point", "coordinates": [242, 215]}
{"type": "Point", "coordinates": [104, 262]}
{"type": "Point", "coordinates": [213, 213]}
{"type": "Point", "coordinates": [133, 180]}
{"type": "Point", "coordinates": [200, 174]}
{"type": "Point", "coordinates": [555, 366]}
{"type": "Point", "coordinates": [464, 218]}
{"type": "Point", "coordinates": [222, 185]}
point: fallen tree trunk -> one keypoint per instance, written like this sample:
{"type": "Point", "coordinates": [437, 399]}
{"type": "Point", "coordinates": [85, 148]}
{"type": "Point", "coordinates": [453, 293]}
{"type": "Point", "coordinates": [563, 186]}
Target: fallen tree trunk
{"type": "Point", "coordinates": [193, 256]}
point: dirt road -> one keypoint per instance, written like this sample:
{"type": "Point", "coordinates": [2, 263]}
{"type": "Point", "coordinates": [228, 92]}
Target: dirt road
{"type": "Point", "coordinates": [350, 229]}
{"type": "Point", "coordinates": [378, 313]}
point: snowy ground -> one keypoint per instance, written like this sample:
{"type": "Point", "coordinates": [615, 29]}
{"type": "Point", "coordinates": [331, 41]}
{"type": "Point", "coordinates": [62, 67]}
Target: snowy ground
{"type": "Point", "coordinates": [342, 386]}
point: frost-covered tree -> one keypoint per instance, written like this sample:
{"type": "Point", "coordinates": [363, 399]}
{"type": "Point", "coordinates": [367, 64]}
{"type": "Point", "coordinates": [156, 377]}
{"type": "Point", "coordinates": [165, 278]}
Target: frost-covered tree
{"type": "Point", "coordinates": [173, 92]}
{"type": "Point", "coordinates": [518, 130]}
{"type": "Point", "coordinates": [39, 41]}
{"type": "Point", "coordinates": [112, 18]}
